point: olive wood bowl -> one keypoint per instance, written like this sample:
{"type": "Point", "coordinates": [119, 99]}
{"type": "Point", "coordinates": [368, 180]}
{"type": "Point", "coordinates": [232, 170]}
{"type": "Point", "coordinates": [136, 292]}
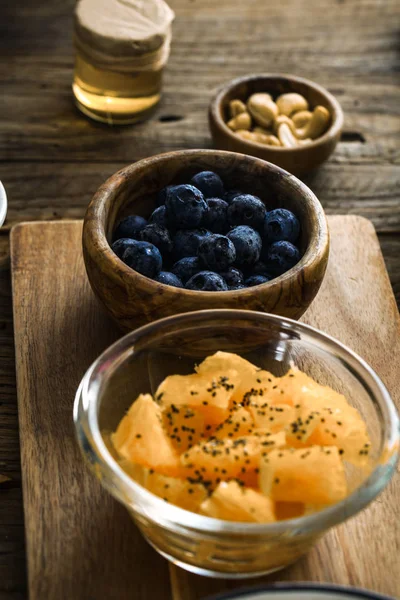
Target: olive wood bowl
{"type": "Point", "coordinates": [299, 160]}
{"type": "Point", "coordinates": [133, 299]}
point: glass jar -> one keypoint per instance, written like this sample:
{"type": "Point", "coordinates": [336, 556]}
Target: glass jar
{"type": "Point", "coordinates": [121, 50]}
{"type": "Point", "coordinates": [138, 362]}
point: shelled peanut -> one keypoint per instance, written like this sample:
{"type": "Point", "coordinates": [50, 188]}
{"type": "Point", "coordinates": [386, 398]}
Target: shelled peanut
{"type": "Point", "coordinates": [286, 122]}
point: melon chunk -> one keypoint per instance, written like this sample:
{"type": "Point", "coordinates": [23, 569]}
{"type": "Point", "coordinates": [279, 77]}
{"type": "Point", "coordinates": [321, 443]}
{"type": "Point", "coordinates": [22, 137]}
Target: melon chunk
{"type": "Point", "coordinates": [208, 392]}
{"type": "Point", "coordinates": [312, 475]}
{"type": "Point", "coordinates": [141, 438]}
{"type": "Point", "coordinates": [184, 425]}
{"type": "Point", "coordinates": [239, 423]}
{"type": "Point", "coordinates": [345, 429]}
{"type": "Point", "coordinates": [220, 459]}
{"type": "Point", "coordinates": [171, 489]}
{"type": "Point", "coordinates": [231, 502]}
{"type": "Point", "coordinates": [324, 418]}
{"type": "Point", "coordinates": [177, 491]}
{"type": "Point", "coordinates": [220, 362]}
{"type": "Point", "coordinates": [273, 417]}
{"type": "Point", "coordinates": [289, 510]}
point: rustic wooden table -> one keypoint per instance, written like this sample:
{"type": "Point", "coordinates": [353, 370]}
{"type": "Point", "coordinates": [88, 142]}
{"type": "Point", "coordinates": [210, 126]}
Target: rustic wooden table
{"type": "Point", "coordinates": [53, 159]}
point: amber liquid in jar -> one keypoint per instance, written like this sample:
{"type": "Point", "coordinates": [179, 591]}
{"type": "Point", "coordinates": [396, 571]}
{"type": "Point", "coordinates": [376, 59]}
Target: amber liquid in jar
{"type": "Point", "coordinates": [115, 97]}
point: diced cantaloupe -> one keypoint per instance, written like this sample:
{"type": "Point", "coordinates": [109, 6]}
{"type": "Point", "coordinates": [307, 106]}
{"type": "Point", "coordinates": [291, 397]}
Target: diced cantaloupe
{"type": "Point", "coordinates": [141, 438]}
{"type": "Point", "coordinates": [220, 362]}
{"type": "Point", "coordinates": [324, 418]}
{"type": "Point", "coordinates": [177, 491]}
{"type": "Point", "coordinates": [272, 417]}
{"type": "Point", "coordinates": [171, 489]}
{"type": "Point", "coordinates": [270, 447]}
{"type": "Point", "coordinates": [208, 392]}
{"type": "Point", "coordinates": [184, 425]}
{"type": "Point", "coordinates": [310, 509]}
{"type": "Point", "coordinates": [239, 423]}
{"type": "Point", "coordinates": [232, 502]}
{"type": "Point", "coordinates": [221, 459]}
{"type": "Point", "coordinates": [312, 475]}
{"type": "Point", "coordinates": [345, 429]}
{"type": "Point", "coordinates": [289, 510]}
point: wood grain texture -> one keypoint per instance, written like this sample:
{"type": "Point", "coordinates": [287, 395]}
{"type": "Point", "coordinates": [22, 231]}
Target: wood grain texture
{"type": "Point", "coordinates": [75, 549]}
{"type": "Point", "coordinates": [80, 544]}
{"type": "Point", "coordinates": [133, 300]}
{"type": "Point", "coordinates": [355, 305]}
{"type": "Point", "coordinates": [53, 159]}
{"type": "Point", "coordinates": [211, 44]}
{"type": "Point", "coordinates": [297, 160]}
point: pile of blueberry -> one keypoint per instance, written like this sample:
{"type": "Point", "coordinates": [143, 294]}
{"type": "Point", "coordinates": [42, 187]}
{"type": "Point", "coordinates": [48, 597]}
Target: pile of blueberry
{"type": "Point", "coordinates": [202, 237]}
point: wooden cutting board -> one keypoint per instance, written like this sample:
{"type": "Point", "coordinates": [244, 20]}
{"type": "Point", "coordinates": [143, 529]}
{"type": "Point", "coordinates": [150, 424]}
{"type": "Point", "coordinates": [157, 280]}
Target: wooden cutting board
{"type": "Point", "coordinates": [80, 543]}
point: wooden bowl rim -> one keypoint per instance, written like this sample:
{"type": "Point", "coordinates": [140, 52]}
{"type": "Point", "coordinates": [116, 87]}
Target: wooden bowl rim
{"type": "Point", "coordinates": [96, 244]}
{"type": "Point", "coordinates": [215, 110]}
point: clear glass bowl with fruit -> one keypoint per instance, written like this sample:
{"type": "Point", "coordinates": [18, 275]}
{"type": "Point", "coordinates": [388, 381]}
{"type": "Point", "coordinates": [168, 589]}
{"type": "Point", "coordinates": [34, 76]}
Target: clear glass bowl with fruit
{"type": "Point", "coordinates": [236, 438]}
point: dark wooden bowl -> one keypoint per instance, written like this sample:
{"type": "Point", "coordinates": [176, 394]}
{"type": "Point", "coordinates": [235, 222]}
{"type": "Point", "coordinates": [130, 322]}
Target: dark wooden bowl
{"type": "Point", "coordinates": [132, 299]}
{"type": "Point", "coordinates": [295, 160]}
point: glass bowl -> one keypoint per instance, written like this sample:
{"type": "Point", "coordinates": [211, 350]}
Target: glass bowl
{"type": "Point", "coordinates": [138, 362]}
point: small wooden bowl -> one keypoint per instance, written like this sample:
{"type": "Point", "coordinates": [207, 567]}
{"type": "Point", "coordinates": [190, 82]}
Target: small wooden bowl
{"type": "Point", "coordinates": [132, 299]}
{"type": "Point", "coordinates": [295, 160]}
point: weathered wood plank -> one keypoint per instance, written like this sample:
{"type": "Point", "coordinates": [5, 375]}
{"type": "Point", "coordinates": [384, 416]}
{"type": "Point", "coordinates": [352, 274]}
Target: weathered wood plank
{"type": "Point", "coordinates": [350, 46]}
{"type": "Point", "coordinates": [364, 547]}
{"type": "Point", "coordinates": [48, 191]}
{"type": "Point", "coordinates": [211, 44]}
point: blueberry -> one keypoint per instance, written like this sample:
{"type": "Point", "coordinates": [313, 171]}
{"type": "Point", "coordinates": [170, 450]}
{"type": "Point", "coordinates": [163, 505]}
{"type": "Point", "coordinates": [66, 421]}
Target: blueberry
{"type": "Point", "coordinates": [157, 235]}
{"type": "Point", "coordinates": [162, 195]}
{"type": "Point", "coordinates": [186, 241]}
{"type": "Point", "coordinates": [260, 268]}
{"type": "Point", "coordinates": [145, 258]}
{"type": "Point", "coordinates": [186, 206]}
{"type": "Point", "coordinates": [159, 216]}
{"type": "Point", "coordinates": [231, 195]}
{"type": "Point", "coordinates": [247, 243]}
{"type": "Point", "coordinates": [281, 224]}
{"type": "Point", "coordinates": [186, 268]}
{"type": "Point", "coordinates": [216, 252]}
{"type": "Point", "coordinates": [256, 280]}
{"type": "Point", "coordinates": [130, 227]}
{"type": "Point", "coordinates": [168, 278]}
{"type": "Point", "coordinates": [216, 219]}
{"type": "Point", "coordinates": [247, 210]}
{"type": "Point", "coordinates": [209, 183]}
{"type": "Point", "coordinates": [233, 278]}
{"type": "Point", "coordinates": [281, 256]}
{"type": "Point", "coordinates": [119, 246]}
{"type": "Point", "coordinates": [207, 281]}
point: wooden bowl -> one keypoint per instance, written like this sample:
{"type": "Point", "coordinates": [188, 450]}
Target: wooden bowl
{"type": "Point", "coordinates": [133, 299]}
{"type": "Point", "coordinates": [295, 160]}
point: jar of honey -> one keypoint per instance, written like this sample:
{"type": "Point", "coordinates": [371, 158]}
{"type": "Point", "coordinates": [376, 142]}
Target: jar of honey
{"type": "Point", "coordinates": [121, 47]}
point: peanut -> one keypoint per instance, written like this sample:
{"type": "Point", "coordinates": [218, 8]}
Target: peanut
{"type": "Point", "coordinates": [241, 121]}
{"type": "Point", "coordinates": [286, 137]}
{"type": "Point", "coordinates": [236, 107]}
{"type": "Point", "coordinates": [288, 122]}
{"type": "Point", "coordinates": [260, 138]}
{"type": "Point", "coordinates": [262, 108]}
{"type": "Point", "coordinates": [284, 119]}
{"type": "Point", "coordinates": [301, 118]}
{"type": "Point", "coordinates": [316, 126]}
{"type": "Point", "coordinates": [289, 103]}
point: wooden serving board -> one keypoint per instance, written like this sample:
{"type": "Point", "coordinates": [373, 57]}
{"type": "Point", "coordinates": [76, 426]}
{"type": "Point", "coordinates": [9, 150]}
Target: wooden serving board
{"type": "Point", "coordinates": [80, 543]}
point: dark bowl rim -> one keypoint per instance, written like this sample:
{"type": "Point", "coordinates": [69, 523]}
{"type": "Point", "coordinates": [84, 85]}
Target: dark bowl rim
{"type": "Point", "coordinates": [300, 587]}
{"type": "Point", "coordinates": [317, 249]}
{"type": "Point", "coordinates": [334, 129]}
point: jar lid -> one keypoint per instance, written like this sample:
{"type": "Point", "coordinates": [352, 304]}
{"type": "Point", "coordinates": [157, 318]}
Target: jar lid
{"type": "Point", "coordinates": [118, 30]}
